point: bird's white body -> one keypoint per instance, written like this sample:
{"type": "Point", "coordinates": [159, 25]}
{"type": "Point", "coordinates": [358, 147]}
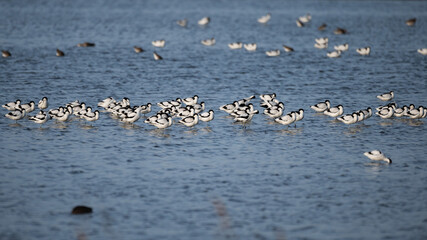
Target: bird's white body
{"type": "Point", "coordinates": [40, 118]}
{"type": "Point", "coordinates": [190, 120]}
{"type": "Point", "coordinates": [204, 21]}
{"type": "Point", "coordinates": [334, 54]}
{"type": "Point", "coordinates": [235, 45]}
{"type": "Point", "coordinates": [264, 19]}
{"type": "Point", "coordinates": [349, 118]}
{"type": "Point", "coordinates": [250, 46]}
{"type": "Point", "coordinates": [43, 104]}
{"type": "Point", "coordinates": [364, 51]}
{"type": "Point", "coordinates": [286, 119]}
{"type": "Point", "coordinates": [157, 57]}
{"type": "Point", "coordinates": [208, 42]}
{"type": "Point", "coordinates": [422, 51]}
{"type": "Point", "coordinates": [159, 43]}
{"type": "Point", "coordinates": [321, 106]}
{"type": "Point", "coordinates": [386, 113]}
{"type": "Point", "coordinates": [386, 96]}
{"type": "Point", "coordinates": [342, 47]}
{"type": "Point", "coordinates": [16, 115]}
{"type": "Point", "coordinates": [273, 53]}
{"type": "Point", "coordinates": [206, 116]}
{"type": "Point", "coordinates": [334, 111]}
{"type": "Point", "coordinates": [377, 156]}
{"type": "Point", "coordinates": [12, 105]}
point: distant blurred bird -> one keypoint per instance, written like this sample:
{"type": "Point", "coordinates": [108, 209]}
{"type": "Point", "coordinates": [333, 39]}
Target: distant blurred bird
{"type": "Point", "coordinates": [287, 48]}
{"type": "Point", "coordinates": [159, 43]}
{"type": "Point", "coordinates": [377, 156]}
{"type": "Point", "coordinates": [182, 22]}
{"type": "Point", "coordinates": [273, 53]}
{"type": "Point", "coordinates": [204, 21]}
{"type": "Point", "coordinates": [423, 51]}
{"type": "Point", "coordinates": [138, 49]}
{"type": "Point", "coordinates": [6, 53]}
{"type": "Point", "coordinates": [208, 42]}
{"type": "Point", "coordinates": [250, 46]}
{"type": "Point", "coordinates": [157, 56]}
{"type": "Point", "coordinates": [342, 47]}
{"type": "Point", "coordinates": [334, 54]}
{"type": "Point", "coordinates": [322, 27]}
{"type": "Point", "coordinates": [59, 53]}
{"type": "Point", "coordinates": [364, 51]}
{"type": "Point", "coordinates": [264, 19]}
{"type": "Point", "coordinates": [339, 31]}
{"type": "Point", "coordinates": [411, 22]}
{"type": "Point", "coordinates": [235, 45]}
{"type": "Point", "coordinates": [305, 19]}
{"type": "Point", "coordinates": [86, 44]}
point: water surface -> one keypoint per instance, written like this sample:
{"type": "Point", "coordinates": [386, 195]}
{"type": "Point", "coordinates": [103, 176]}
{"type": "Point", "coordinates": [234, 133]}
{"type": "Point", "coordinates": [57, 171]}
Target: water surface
{"type": "Point", "coordinates": [305, 182]}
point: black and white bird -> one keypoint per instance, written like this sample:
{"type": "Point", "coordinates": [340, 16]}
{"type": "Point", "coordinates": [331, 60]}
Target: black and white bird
{"type": "Point", "coordinates": [321, 106]}
{"type": "Point", "coordinates": [133, 116]}
{"type": "Point", "coordinates": [16, 115]}
{"type": "Point", "coordinates": [385, 113]}
{"type": "Point", "coordinates": [28, 107]}
{"type": "Point", "coordinates": [157, 57]}
{"type": "Point", "coordinates": [273, 53]}
{"type": "Point", "coordinates": [158, 43]}
{"type": "Point", "coordinates": [349, 118]}
{"type": "Point", "coordinates": [334, 111]}
{"type": "Point", "coordinates": [364, 51]}
{"type": "Point", "coordinates": [286, 119]}
{"type": "Point", "coordinates": [204, 21]}
{"type": "Point", "coordinates": [417, 113]}
{"type": "Point", "coordinates": [274, 112]}
{"type": "Point", "coordinates": [246, 117]}
{"type": "Point", "coordinates": [386, 96]}
{"type": "Point", "coordinates": [162, 122]}
{"type": "Point", "coordinates": [190, 100]}
{"type": "Point", "coordinates": [250, 47]}
{"type": "Point", "coordinates": [208, 42]}
{"type": "Point", "coordinates": [43, 103]}
{"type": "Point", "coordinates": [92, 116]}
{"type": "Point", "coordinates": [342, 47]}
{"type": "Point", "coordinates": [235, 45]}
{"type": "Point", "coordinates": [12, 105]}
{"type": "Point", "coordinates": [376, 155]}
{"type": "Point", "coordinates": [190, 121]}
{"type": "Point", "coordinates": [206, 116]}
{"type": "Point", "coordinates": [168, 104]}
{"type": "Point", "coordinates": [40, 118]}
{"type": "Point", "coordinates": [267, 97]}
{"type": "Point", "coordinates": [334, 54]}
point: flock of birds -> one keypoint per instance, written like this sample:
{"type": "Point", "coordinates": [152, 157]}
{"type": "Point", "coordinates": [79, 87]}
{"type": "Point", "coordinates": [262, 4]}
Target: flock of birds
{"type": "Point", "coordinates": [189, 112]}
{"type": "Point", "coordinates": [320, 43]}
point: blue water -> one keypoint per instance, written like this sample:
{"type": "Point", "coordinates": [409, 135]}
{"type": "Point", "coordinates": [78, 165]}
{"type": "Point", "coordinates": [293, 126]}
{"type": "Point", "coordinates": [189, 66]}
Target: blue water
{"type": "Point", "coordinates": [217, 180]}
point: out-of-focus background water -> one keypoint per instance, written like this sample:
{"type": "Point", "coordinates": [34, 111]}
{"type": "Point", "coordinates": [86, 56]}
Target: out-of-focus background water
{"type": "Point", "coordinates": [216, 180]}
